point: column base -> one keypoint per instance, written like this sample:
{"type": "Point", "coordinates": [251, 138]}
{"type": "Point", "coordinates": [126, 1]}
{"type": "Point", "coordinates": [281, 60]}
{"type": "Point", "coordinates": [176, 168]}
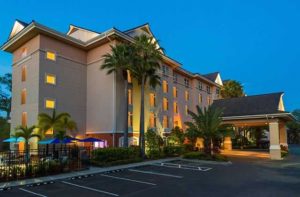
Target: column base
{"type": "Point", "coordinates": [275, 152]}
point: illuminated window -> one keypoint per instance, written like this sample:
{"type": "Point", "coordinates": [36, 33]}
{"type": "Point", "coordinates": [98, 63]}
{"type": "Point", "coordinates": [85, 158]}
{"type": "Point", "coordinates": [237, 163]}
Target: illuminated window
{"type": "Point", "coordinates": [50, 79]}
{"type": "Point", "coordinates": [24, 118]}
{"type": "Point", "coordinates": [130, 119]}
{"type": "Point", "coordinates": [165, 86]}
{"type": "Point", "coordinates": [208, 89]}
{"type": "Point", "coordinates": [24, 73]}
{"type": "Point", "coordinates": [175, 107]}
{"type": "Point", "coordinates": [129, 97]}
{"type": "Point", "coordinates": [129, 77]}
{"type": "Point", "coordinates": [152, 100]}
{"type": "Point", "coordinates": [165, 104]}
{"type": "Point", "coordinates": [24, 52]}
{"type": "Point", "coordinates": [200, 98]}
{"type": "Point", "coordinates": [23, 96]}
{"type": "Point", "coordinates": [165, 122]}
{"type": "Point", "coordinates": [186, 110]}
{"type": "Point", "coordinates": [187, 95]}
{"type": "Point", "coordinates": [208, 100]}
{"type": "Point", "coordinates": [152, 121]}
{"type": "Point", "coordinates": [175, 93]}
{"type": "Point", "coordinates": [50, 103]}
{"type": "Point", "coordinates": [50, 56]}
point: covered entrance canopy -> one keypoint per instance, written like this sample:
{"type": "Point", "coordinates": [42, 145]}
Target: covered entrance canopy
{"type": "Point", "coordinates": [259, 110]}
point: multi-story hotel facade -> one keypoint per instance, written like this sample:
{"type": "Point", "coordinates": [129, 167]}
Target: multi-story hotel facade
{"type": "Point", "coordinates": [52, 70]}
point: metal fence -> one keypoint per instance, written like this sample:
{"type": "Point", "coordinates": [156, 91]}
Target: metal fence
{"type": "Point", "coordinates": [16, 165]}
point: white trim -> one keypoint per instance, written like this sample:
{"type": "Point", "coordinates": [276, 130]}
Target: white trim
{"type": "Point", "coordinates": [28, 57]}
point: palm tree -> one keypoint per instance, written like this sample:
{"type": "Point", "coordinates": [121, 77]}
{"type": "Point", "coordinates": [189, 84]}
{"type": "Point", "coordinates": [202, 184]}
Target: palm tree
{"type": "Point", "coordinates": [27, 133]}
{"type": "Point", "coordinates": [144, 65]}
{"type": "Point", "coordinates": [207, 123]}
{"type": "Point", "coordinates": [68, 124]}
{"type": "Point", "coordinates": [52, 122]}
{"type": "Point", "coordinates": [232, 89]}
{"type": "Point", "coordinates": [118, 62]}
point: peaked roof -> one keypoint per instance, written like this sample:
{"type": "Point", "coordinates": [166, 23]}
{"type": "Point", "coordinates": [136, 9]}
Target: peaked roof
{"type": "Point", "coordinates": [250, 105]}
{"type": "Point", "coordinates": [22, 23]}
{"type": "Point", "coordinates": [212, 76]}
{"type": "Point", "coordinates": [18, 26]}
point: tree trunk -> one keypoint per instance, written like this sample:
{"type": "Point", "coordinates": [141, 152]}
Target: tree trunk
{"type": "Point", "coordinates": [26, 157]}
{"type": "Point", "coordinates": [211, 147]}
{"type": "Point", "coordinates": [142, 120]}
{"type": "Point", "coordinates": [125, 136]}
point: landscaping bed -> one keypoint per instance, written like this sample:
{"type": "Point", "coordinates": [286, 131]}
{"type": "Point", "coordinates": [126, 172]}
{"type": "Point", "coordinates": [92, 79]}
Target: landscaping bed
{"type": "Point", "coordinates": [204, 156]}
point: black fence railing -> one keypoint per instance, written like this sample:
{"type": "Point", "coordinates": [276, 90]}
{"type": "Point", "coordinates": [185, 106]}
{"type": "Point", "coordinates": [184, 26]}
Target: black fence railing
{"type": "Point", "coordinates": [16, 165]}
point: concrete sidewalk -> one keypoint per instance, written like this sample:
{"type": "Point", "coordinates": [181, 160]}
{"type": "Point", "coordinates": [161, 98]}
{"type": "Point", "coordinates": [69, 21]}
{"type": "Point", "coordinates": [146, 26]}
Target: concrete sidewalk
{"type": "Point", "coordinates": [91, 170]}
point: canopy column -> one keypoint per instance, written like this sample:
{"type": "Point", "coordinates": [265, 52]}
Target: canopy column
{"type": "Point", "coordinates": [283, 135]}
{"type": "Point", "coordinates": [275, 152]}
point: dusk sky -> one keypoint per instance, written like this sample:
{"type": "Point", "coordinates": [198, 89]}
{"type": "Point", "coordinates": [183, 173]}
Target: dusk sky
{"type": "Point", "coordinates": [255, 42]}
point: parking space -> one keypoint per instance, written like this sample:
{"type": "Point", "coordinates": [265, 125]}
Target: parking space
{"type": "Point", "coordinates": [128, 182]}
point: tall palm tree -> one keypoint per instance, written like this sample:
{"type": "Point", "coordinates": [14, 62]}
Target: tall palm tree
{"type": "Point", "coordinates": [68, 124]}
{"type": "Point", "coordinates": [144, 65]}
{"type": "Point", "coordinates": [118, 62]}
{"type": "Point", "coordinates": [207, 123]}
{"type": "Point", "coordinates": [27, 133]}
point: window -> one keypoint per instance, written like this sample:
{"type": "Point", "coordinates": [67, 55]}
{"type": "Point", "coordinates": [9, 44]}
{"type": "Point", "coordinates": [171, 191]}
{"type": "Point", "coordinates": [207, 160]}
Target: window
{"type": "Point", "coordinates": [130, 119]}
{"type": "Point", "coordinates": [165, 122]}
{"type": "Point", "coordinates": [175, 77]}
{"type": "Point", "coordinates": [152, 121]}
{"type": "Point", "coordinates": [165, 104]}
{"type": "Point", "coordinates": [49, 103]}
{"type": "Point", "coordinates": [50, 79]}
{"type": "Point", "coordinates": [24, 118]}
{"type": "Point", "coordinates": [217, 91]}
{"type": "Point", "coordinates": [24, 73]}
{"type": "Point", "coordinates": [187, 95]}
{"type": "Point", "coordinates": [175, 107]}
{"type": "Point", "coordinates": [50, 56]}
{"type": "Point", "coordinates": [165, 86]}
{"type": "Point", "coordinates": [200, 98]}
{"type": "Point", "coordinates": [175, 93]}
{"type": "Point", "coordinates": [200, 85]}
{"type": "Point", "coordinates": [129, 97]}
{"type": "Point", "coordinates": [186, 82]}
{"type": "Point", "coordinates": [208, 100]}
{"type": "Point", "coordinates": [152, 100]}
{"type": "Point", "coordinates": [23, 96]}
{"type": "Point", "coordinates": [129, 79]}
{"type": "Point", "coordinates": [165, 70]}
{"type": "Point", "coordinates": [24, 52]}
{"type": "Point", "coordinates": [208, 89]}
{"type": "Point", "coordinates": [186, 110]}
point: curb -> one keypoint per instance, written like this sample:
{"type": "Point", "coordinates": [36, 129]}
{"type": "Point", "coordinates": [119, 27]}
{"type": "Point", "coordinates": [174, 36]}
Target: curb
{"type": "Point", "coordinates": [208, 162]}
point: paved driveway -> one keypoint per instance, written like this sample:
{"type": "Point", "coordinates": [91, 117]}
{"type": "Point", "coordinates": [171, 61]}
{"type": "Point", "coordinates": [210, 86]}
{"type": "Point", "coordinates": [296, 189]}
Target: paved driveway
{"type": "Point", "coordinates": [245, 177]}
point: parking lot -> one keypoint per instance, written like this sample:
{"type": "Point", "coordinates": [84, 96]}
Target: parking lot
{"type": "Point", "coordinates": [245, 177]}
{"type": "Point", "coordinates": [129, 182]}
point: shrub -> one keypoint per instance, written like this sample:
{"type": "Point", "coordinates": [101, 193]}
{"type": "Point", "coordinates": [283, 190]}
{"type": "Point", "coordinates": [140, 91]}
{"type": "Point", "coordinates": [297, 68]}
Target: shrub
{"type": "Point", "coordinates": [204, 156]}
{"type": "Point", "coordinates": [154, 143]}
{"type": "Point", "coordinates": [115, 154]}
{"type": "Point", "coordinates": [172, 151]}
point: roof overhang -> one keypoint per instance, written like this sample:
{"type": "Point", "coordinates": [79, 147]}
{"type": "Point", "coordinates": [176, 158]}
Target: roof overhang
{"type": "Point", "coordinates": [282, 116]}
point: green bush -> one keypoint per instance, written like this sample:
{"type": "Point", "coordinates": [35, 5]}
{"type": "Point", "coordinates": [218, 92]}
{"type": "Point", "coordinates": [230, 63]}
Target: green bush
{"type": "Point", "coordinates": [173, 151]}
{"type": "Point", "coordinates": [204, 156]}
{"type": "Point", "coordinates": [115, 154]}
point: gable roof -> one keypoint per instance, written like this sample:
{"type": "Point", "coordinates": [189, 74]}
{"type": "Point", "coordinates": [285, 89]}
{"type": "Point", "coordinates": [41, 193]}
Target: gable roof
{"type": "Point", "coordinates": [212, 76]}
{"type": "Point", "coordinates": [18, 26]}
{"type": "Point", "coordinates": [251, 105]}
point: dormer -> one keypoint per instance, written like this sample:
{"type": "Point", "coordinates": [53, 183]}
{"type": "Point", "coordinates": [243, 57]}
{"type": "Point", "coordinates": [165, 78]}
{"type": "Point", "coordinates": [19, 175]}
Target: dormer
{"type": "Point", "coordinates": [81, 33]}
{"type": "Point", "coordinates": [214, 77]}
{"type": "Point", "coordinates": [18, 26]}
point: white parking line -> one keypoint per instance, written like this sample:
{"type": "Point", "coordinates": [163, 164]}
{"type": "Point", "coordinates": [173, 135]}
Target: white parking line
{"type": "Point", "coordinates": [126, 179]}
{"type": "Point", "coordinates": [25, 190]}
{"type": "Point", "coordinates": [156, 173]}
{"type": "Point", "coordinates": [89, 188]}
{"type": "Point", "coordinates": [184, 167]}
